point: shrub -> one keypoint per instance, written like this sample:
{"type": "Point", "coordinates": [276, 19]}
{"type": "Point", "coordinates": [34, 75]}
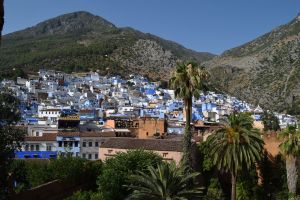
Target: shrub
{"type": "Point", "coordinates": [117, 170]}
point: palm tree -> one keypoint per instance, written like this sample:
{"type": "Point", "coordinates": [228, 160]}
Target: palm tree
{"type": "Point", "coordinates": [187, 81]}
{"type": "Point", "coordinates": [1, 17]}
{"type": "Point", "coordinates": [236, 146]}
{"type": "Point", "coordinates": [167, 182]}
{"type": "Point", "coordinates": [290, 149]}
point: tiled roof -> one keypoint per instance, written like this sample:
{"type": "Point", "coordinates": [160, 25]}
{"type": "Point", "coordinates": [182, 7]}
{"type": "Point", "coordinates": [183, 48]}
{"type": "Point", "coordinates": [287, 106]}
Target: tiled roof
{"type": "Point", "coordinates": [69, 134]}
{"type": "Point", "coordinates": [98, 134]}
{"type": "Point", "coordinates": [87, 134]}
{"type": "Point", "coordinates": [45, 137]}
{"type": "Point", "coordinates": [147, 144]}
{"type": "Point", "coordinates": [51, 109]}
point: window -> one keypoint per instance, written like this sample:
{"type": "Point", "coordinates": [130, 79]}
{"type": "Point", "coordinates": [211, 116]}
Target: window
{"type": "Point", "coordinates": [147, 133]}
{"type": "Point", "coordinates": [65, 144]}
{"type": "Point", "coordinates": [60, 143]}
{"type": "Point", "coordinates": [165, 155]}
{"type": "Point", "coordinates": [90, 144]}
{"type": "Point", "coordinates": [37, 147]}
{"type": "Point", "coordinates": [84, 144]}
{"type": "Point", "coordinates": [26, 147]}
{"type": "Point", "coordinates": [76, 143]}
{"type": "Point", "coordinates": [110, 151]}
{"type": "Point", "coordinates": [96, 156]}
{"type": "Point", "coordinates": [90, 156]}
{"type": "Point", "coordinates": [32, 147]}
{"type": "Point", "coordinates": [83, 155]}
{"type": "Point", "coordinates": [49, 148]}
{"type": "Point", "coordinates": [37, 133]}
{"type": "Point", "coordinates": [96, 144]}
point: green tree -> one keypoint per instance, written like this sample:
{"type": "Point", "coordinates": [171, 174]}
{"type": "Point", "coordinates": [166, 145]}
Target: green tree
{"type": "Point", "coordinates": [187, 82]}
{"type": "Point", "coordinates": [236, 146]}
{"type": "Point", "coordinates": [67, 167]}
{"type": "Point", "coordinates": [116, 171]}
{"type": "Point", "coordinates": [10, 138]}
{"type": "Point", "coordinates": [86, 195]}
{"type": "Point", "coordinates": [289, 147]}
{"type": "Point", "coordinates": [214, 190]}
{"type": "Point", "coordinates": [38, 172]}
{"type": "Point", "coordinates": [18, 172]}
{"type": "Point", "coordinates": [166, 182]}
{"type": "Point", "coordinates": [270, 121]}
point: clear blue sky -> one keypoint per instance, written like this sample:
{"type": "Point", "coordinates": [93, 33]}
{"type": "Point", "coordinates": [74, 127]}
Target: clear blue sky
{"type": "Point", "coordinates": [202, 25]}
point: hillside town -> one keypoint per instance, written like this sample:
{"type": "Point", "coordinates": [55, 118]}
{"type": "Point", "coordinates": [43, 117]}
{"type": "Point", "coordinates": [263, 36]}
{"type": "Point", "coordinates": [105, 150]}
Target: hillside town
{"type": "Point", "coordinates": [94, 117]}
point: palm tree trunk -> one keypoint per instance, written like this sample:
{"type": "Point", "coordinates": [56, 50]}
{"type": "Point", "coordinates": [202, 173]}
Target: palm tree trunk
{"type": "Point", "coordinates": [187, 151]}
{"type": "Point", "coordinates": [291, 172]}
{"type": "Point", "coordinates": [233, 187]}
{"type": "Point", "coordinates": [1, 17]}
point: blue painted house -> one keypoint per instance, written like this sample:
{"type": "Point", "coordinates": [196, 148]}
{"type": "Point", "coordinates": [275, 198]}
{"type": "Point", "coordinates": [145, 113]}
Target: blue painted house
{"type": "Point", "coordinates": [44, 146]}
{"type": "Point", "coordinates": [68, 144]}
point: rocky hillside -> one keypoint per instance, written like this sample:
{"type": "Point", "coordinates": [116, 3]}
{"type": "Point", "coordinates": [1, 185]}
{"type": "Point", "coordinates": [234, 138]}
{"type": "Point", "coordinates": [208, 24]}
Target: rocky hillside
{"type": "Point", "coordinates": [81, 41]}
{"type": "Point", "coordinates": [265, 71]}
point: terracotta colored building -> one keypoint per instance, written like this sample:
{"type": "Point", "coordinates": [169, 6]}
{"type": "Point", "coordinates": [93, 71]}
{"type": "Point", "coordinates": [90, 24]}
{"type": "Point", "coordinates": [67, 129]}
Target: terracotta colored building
{"type": "Point", "coordinates": [151, 127]}
{"type": "Point", "coordinates": [272, 144]}
{"type": "Point", "coordinates": [142, 128]}
{"type": "Point", "coordinates": [169, 150]}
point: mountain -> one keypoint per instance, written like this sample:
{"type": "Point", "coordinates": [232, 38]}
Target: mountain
{"type": "Point", "coordinates": [264, 71]}
{"type": "Point", "coordinates": [81, 41]}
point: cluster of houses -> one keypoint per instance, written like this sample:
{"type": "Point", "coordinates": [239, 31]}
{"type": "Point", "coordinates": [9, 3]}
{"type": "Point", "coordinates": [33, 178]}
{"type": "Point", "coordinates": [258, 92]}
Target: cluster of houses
{"type": "Point", "coordinates": [94, 117]}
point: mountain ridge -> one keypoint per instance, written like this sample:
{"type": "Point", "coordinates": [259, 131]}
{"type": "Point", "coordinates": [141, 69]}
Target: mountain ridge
{"type": "Point", "coordinates": [264, 71]}
{"type": "Point", "coordinates": [82, 41]}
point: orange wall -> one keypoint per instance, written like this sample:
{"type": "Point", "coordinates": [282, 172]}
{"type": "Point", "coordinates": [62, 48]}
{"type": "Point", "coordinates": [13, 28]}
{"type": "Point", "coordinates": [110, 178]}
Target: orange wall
{"type": "Point", "coordinates": [150, 126]}
{"type": "Point", "coordinates": [111, 123]}
{"type": "Point", "coordinates": [272, 144]}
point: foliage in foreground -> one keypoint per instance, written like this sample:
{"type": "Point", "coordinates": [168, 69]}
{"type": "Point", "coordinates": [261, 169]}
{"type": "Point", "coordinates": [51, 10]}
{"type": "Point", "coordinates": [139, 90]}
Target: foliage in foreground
{"type": "Point", "coordinates": [86, 195]}
{"type": "Point", "coordinates": [290, 148]}
{"type": "Point", "coordinates": [10, 138]}
{"type": "Point", "coordinates": [235, 147]}
{"type": "Point", "coordinates": [118, 169]}
{"type": "Point", "coordinates": [31, 173]}
{"type": "Point", "coordinates": [187, 81]}
{"type": "Point", "coordinates": [166, 182]}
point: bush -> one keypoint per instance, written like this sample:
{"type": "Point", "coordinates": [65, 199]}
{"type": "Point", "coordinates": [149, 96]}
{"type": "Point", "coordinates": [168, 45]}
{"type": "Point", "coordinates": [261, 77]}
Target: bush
{"type": "Point", "coordinates": [32, 173]}
{"type": "Point", "coordinates": [214, 190]}
{"type": "Point", "coordinates": [68, 167]}
{"type": "Point", "coordinates": [38, 172]}
{"type": "Point", "coordinates": [117, 170]}
{"type": "Point", "coordinates": [86, 195]}
{"type": "Point", "coordinates": [18, 171]}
